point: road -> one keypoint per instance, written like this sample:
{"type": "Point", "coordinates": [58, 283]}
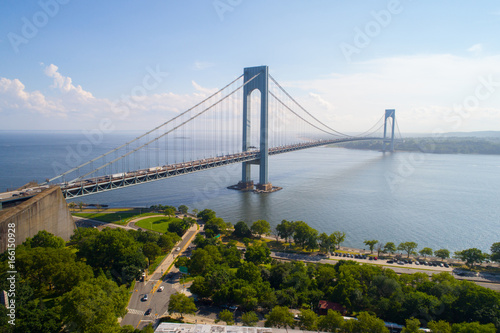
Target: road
{"type": "Point", "coordinates": [158, 300]}
{"type": "Point", "coordinates": [491, 282]}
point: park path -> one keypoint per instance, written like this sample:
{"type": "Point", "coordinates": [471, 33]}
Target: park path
{"type": "Point", "coordinates": [132, 222]}
{"type": "Point", "coordinates": [99, 224]}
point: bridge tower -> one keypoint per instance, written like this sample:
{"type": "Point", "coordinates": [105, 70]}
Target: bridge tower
{"type": "Point", "coordinates": [261, 83]}
{"type": "Point", "coordinates": [389, 113]}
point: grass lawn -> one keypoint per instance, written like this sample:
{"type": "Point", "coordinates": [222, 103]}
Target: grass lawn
{"type": "Point", "coordinates": [155, 263]}
{"type": "Point", "coordinates": [159, 223]}
{"type": "Point", "coordinates": [115, 217]}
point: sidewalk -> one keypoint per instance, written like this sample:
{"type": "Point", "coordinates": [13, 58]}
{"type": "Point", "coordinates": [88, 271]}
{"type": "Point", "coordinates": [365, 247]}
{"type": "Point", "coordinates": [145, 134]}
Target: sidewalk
{"type": "Point", "coordinates": [162, 268]}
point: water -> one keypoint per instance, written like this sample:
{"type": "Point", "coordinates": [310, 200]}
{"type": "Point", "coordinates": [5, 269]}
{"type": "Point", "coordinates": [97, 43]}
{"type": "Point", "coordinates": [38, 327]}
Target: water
{"type": "Point", "coordinates": [438, 201]}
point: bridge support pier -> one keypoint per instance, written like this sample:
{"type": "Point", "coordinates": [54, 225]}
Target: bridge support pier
{"type": "Point", "coordinates": [389, 113]}
{"type": "Point", "coordinates": [261, 83]}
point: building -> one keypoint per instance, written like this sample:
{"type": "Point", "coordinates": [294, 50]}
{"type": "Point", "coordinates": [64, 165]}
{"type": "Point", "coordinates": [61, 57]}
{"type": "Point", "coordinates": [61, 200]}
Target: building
{"type": "Point", "coordinates": [324, 306]}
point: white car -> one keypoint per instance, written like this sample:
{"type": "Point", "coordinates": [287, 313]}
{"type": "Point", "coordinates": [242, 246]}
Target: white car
{"type": "Point", "coordinates": [161, 288]}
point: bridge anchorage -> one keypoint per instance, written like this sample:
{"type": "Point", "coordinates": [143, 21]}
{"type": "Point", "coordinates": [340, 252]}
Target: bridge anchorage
{"type": "Point", "coordinates": [218, 131]}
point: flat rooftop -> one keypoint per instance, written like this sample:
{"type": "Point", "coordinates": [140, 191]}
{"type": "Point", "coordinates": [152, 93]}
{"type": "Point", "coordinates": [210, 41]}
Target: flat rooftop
{"type": "Point", "coordinates": [204, 328]}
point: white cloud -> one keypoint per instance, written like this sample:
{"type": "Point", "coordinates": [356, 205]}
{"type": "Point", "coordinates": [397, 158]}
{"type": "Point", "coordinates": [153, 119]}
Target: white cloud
{"type": "Point", "coordinates": [322, 102]}
{"type": "Point", "coordinates": [72, 107]}
{"type": "Point", "coordinates": [64, 83]}
{"type": "Point", "coordinates": [425, 90]}
{"type": "Point", "coordinates": [203, 90]}
{"type": "Point", "coordinates": [201, 65]}
{"type": "Point", "coordinates": [13, 96]}
{"type": "Point", "coordinates": [476, 49]}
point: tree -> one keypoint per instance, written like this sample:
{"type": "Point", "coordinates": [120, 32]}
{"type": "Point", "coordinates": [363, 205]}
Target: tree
{"type": "Point", "coordinates": [371, 244]}
{"type": "Point", "coordinates": [258, 254]}
{"type": "Point", "coordinates": [380, 248]}
{"type": "Point", "coordinates": [178, 226]}
{"type": "Point", "coordinates": [226, 316]}
{"type": "Point", "coordinates": [249, 272]}
{"type": "Point", "coordinates": [183, 209]}
{"type": "Point", "coordinates": [50, 270]}
{"type": "Point", "coordinates": [201, 287]}
{"type": "Point", "coordinates": [390, 247]}
{"type": "Point", "coordinates": [93, 306]}
{"type": "Point", "coordinates": [44, 238]}
{"type": "Point", "coordinates": [181, 304]}
{"type": "Point", "coordinates": [326, 242]}
{"type": "Point", "coordinates": [249, 318]}
{"type": "Point", "coordinates": [189, 221]}
{"type": "Point", "coordinates": [304, 235]}
{"type": "Point", "coordinates": [412, 326]}
{"type": "Point", "coordinates": [72, 205]}
{"type": "Point", "coordinates": [279, 317]}
{"type": "Point", "coordinates": [308, 320]}
{"type": "Point", "coordinates": [34, 316]}
{"type": "Point", "coordinates": [169, 211]}
{"type": "Point", "coordinates": [426, 251]}
{"type": "Point", "coordinates": [442, 253]}
{"type": "Point", "coordinates": [116, 251]}
{"type": "Point", "coordinates": [408, 247]}
{"type": "Point", "coordinates": [439, 326]}
{"type": "Point", "coordinates": [339, 238]}
{"type": "Point", "coordinates": [206, 215]}
{"type": "Point", "coordinates": [285, 230]}
{"type": "Point", "coordinates": [474, 327]}
{"type": "Point", "coordinates": [215, 226]}
{"type": "Point", "coordinates": [471, 256]}
{"type": "Point", "coordinates": [241, 230]}
{"type": "Point", "coordinates": [165, 242]}
{"type": "Point", "coordinates": [80, 205]}
{"type": "Point", "coordinates": [495, 252]}
{"type": "Point", "coordinates": [366, 323]}
{"type": "Point", "coordinates": [151, 251]}
{"type": "Point", "coordinates": [261, 227]}
{"type": "Point", "coordinates": [332, 322]}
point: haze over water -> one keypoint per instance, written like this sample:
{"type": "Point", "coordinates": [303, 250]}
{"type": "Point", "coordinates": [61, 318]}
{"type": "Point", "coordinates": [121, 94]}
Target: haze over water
{"type": "Point", "coordinates": [438, 201]}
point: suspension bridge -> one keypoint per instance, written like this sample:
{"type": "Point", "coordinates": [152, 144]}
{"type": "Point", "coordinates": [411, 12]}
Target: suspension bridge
{"type": "Point", "coordinates": [232, 125]}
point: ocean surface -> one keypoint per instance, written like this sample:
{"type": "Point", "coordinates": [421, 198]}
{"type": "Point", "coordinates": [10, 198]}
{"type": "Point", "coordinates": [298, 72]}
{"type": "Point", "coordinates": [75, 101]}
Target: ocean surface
{"type": "Point", "coordinates": [438, 201]}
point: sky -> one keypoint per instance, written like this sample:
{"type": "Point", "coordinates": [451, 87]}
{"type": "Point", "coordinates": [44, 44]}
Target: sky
{"type": "Point", "coordinates": [65, 64]}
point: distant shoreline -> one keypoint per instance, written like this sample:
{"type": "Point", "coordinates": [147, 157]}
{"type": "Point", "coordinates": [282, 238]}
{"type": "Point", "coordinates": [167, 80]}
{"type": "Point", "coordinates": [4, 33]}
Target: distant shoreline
{"type": "Point", "coordinates": [429, 145]}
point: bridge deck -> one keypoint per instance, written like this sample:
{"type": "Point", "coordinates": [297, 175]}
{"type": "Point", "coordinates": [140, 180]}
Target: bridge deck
{"type": "Point", "coordinates": [112, 182]}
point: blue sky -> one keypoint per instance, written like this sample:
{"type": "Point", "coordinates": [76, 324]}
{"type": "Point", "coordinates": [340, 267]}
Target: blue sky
{"type": "Point", "coordinates": [437, 63]}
